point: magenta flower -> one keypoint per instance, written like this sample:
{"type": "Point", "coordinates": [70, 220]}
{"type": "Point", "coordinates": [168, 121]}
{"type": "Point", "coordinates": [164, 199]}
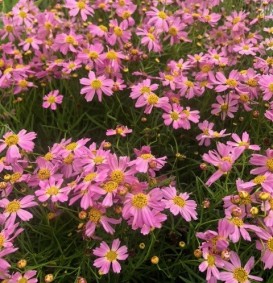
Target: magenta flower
{"type": "Point", "coordinates": [266, 84]}
{"type": "Point", "coordinates": [108, 257]}
{"type": "Point", "coordinates": [27, 277]}
{"type": "Point", "coordinates": [144, 87]}
{"type": "Point", "coordinates": [79, 7]}
{"type": "Point", "coordinates": [31, 41]}
{"type": "Point", "coordinates": [223, 83]}
{"type": "Point", "coordinates": [96, 85]}
{"type": "Point", "coordinates": [265, 163]}
{"type": "Point", "coordinates": [226, 106]}
{"type": "Point", "coordinates": [174, 116]}
{"type": "Point", "coordinates": [244, 141]}
{"type": "Point", "coordinates": [150, 38]}
{"type": "Point", "coordinates": [52, 99]}
{"type": "Point", "coordinates": [14, 141]}
{"type": "Point", "coordinates": [120, 130]}
{"type": "Point", "coordinates": [16, 207]}
{"type": "Point", "coordinates": [266, 246]}
{"type": "Point", "coordinates": [152, 100]}
{"type": "Point", "coordinates": [179, 204]}
{"type": "Point", "coordinates": [236, 273]}
{"type": "Point", "coordinates": [158, 18]}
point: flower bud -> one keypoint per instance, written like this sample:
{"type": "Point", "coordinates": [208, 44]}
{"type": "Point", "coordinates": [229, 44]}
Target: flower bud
{"type": "Point", "coordinates": [254, 210]}
{"type": "Point", "coordinates": [82, 215]}
{"type": "Point", "coordinates": [182, 244]}
{"type": "Point", "coordinates": [49, 278]}
{"type": "Point", "coordinates": [155, 260]}
{"type": "Point", "coordinates": [203, 166]}
{"type": "Point", "coordinates": [264, 196]}
{"type": "Point", "coordinates": [21, 263]}
{"type": "Point", "coordinates": [243, 194]}
{"type": "Point", "coordinates": [236, 211]}
{"type": "Point", "coordinates": [142, 246]}
{"type": "Point", "coordinates": [197, 253]}
{"type": "Point", "coordinates": [225, 254]}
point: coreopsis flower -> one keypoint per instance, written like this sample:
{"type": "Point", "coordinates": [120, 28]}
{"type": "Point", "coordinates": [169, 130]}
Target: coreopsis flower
{"type": "Point", "coordinates": [79, 7]}
{"type": "Point", "coordinates": [225, 106]}
{"type": "Point", "coordinates": [108, 257]}
{"type": "Point", "coordinates": [211, 263]}
{"type": "Point", "coordinates": [264, 180]}
{"type": "Point", "coordinates": [4, 265]}
{"type": "Point", "coordinates": [174, 116]}
{"type": "Point", "coordinates": [188, 116]}
{"type": "Point", "coordinates": [118, 33]}
{"type": "Point", "coordinates": [52, 99]}
{"type": "Point", "coordinates": [144, 87]}
{"type": "Point", "coordinates": [14, 142]}
{"type": "Point", "coordinates": [265, 163]}
{"type": "Point", "coordinates": [223, 83]}
{"type": "Point", "coordinates": [27, 277]}
{"type": "Point", "coordinates": [203, 138]}
{"type": "Point", "coordinates": [245, 49]}
{"type": "Point", "coordinates": [30, 41]}
{"type": "Point", "coordinates": [223, 158]}
{"type": "Point", "coordinates": [244, 141]}
{"type": "Point", "coordinates": [67, 42]}
{"type": "Point", "coordinates": [158, 18]}
{"type": "Point", "coordinates": [179, 204]}
{"type": "Point", "coordinates": [51, 189]}
{"type": "Point", "coordinates": [96, 85]}
{"type": "Point", "coordinates": [150, 38]}
{"type": "Point", "coordinates": [120, 130]}
{"type": "Point", "coordinates": [235, 273]}
{"type": "Point", "coordinates": [15, 208]}
{"type": "Point", "coordinates": [266, 84]}
{"type": "Point", "coordinates": [8, 234]}
{"type": "Point", "coordinates": [265, 244]}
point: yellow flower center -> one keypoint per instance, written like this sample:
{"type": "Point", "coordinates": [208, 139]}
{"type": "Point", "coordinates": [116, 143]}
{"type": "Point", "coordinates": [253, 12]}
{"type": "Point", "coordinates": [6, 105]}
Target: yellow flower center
{"type": "Point", "coordinates": [96, 84]}
{"type": "Point", "coordinates": [189, 84]}
{"type": "Point", "coordinates": [8, 70]}
{"type": "Point", "coordinates": [236, 20]}
{"type": "Point", "coordinates": [48, 26]}
{"type": "Point", "coordinates": [111, 256]}
{"type": "Point", "coordinates": [174, 115]}
{"type": "Point", "coordinates": [152, 99]}
{"type": "Point", "coordinates": [211, 260]}
{"type": "Point", "coordinates": [269, 61]}
{"type": "Point", "coordinates": [111, 55]}
{"type": "Point", "coordinates": [90, 177]}
{"type": "Point", "coordinates": [186, 112]}
{"type": "Point", "coordinates": [121, 3]}
{"type": "Point", "coordinates": [259, 179]}
{"type": "Point", "coordinates": [69, 159]}
{"type": "Point", "coordinates": [146, 156]}
{"type": "Point", "coordinates": [244, 97]}
{"type": "Point", "coordinates": [270, 244]}
{"type": "Point", "coordinates": [206, 68]}
{"type": "Point", "coordinates": [118, 31]}
{"type": "Point", "coordinates": [11, 140]}
{"type": "Point", "coordinates": [179, 201]}
{"type": "Point", "coordinates": [22, 280]}
{"type": "Point", "coordinates": [22, 14]}
{"type": "Point", "coordinates": [246, 144]}
{"type": "Point", "coordinates": [81, 5]}
{"type": "Point", "coordinates": [269, 164]}
{"type": "Point", "coordinates": [93, 55]}
{"type": "Point", "coordinates": [162, 15]}
{"type": "Point", "coordinates": [103, 28]}
{"type": "Point", "coordinates": [23, 83]}
{"type": "Point", "coordinates": [271, 203]}
{"type": "Point", "coordinates": [231, 82]}
{"type": "Point", "coordinates": [173, 31]}
{"type": "Point", "coordinates": [13, 206]}
{"type": "Point", "coordinates": [29, 40]}
{"type": "Point", "coordinates": [270, 87]}
{"type": "Point", "coordinates": [207, 18]}
{"type": "Point", "coordinates": [15, 177]}
{"type": "Point", "coordinates": [224, 107]}
{"type": "Point", "coordinates": [48, 156]}
{"type": "Point", "coordinates": [2, 240]}
{"type": "Point", "coordinates": [95, 215]}
{"type": "Point", "coordinates": [145, 89]}
{"type": "Point", "coordinates": [51, 99]}
{"type": "Point", "coordinates": [71, 40]}
{"type": "Point", "coordinates": [169, 78]}
{"type": "Point", "coordinates": [140, 200]}
{"type": "Point", "coordinates": [43, 174]}
{"type": "Point", "coordinates": [151, 36]}
{"type": "Point", "coordinates": [98, 160]}
{"type": "Point", "coordinates": [126, 15]}
{"type": "Point", "coordinates": [110, 186]}
{"type": "Point", "coordinates": [52, 191]}
{"type": "Point", "coordinates": [245, 47]}
{"type": "Point", "coordinates": [117, 176]}
{"type": "Point", "coordinates": [240, 275]}
{"type": "Point", "coordinates": [71, 146]}
{"type": "Point", "coordinates": [237, 221]}
{"type": "Point", "coordinates": [9, 28]}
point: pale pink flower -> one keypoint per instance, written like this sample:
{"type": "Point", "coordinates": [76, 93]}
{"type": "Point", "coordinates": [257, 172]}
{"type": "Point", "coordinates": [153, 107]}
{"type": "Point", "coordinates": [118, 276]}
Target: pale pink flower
{"type": "Point", "coordinates": [158, 18]}
{"type": "Point", "coordinates": [108, 257]}
{"type": "Point", "coordinates": [265, 244]}
{"type": "Point", "coordinates": [96, 85]}
{"type": "Point", "coordinates": [244, 141]}
{"type": "Point", "coordinates": [144, 87]}
{"type": "Point", "coordinates": [223, 83]}
{"type": "Point", "coordinates": [79, 7]}
{"type": "Point", "coordinates": [225, 106]}
{"type": "Point", "coordinates": [265, 163]}
{"type": "Point", "coordinates": [152, 100]}
{"type": "Point", "coordinates": [27, 277]}
{"type": "Point", "coordinates": [236, 273]}
{"type": "Point", "coordinates": [179, 204]}
{"type": "Point", "coordinates": [266, 84]}
{"type": "Point", "coordinates": [52, 99]}
{"type": "Point", "coordinates": [120, 131]}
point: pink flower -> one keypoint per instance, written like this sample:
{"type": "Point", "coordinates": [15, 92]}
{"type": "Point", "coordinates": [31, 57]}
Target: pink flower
{"type": "Point", "coordinates": [144, 87]}
{"type": "Point", "coordinates": [245, 141]}
{"type": "Point", "coordinates": [245, 49]}
{"type": "Point", "coordinates": [152, 100]}
{"type": "Point", "coordinates": [266, 84]}
{"type": "Point", "coordinates": [77, 7]}
{"type": "Point", "coordinates": [51, 189]}
{"type": "Point", "coordinates": [52, 99]}
{"type": "Point", "coordinates": [16, 208]}
{"type": "Point", "coordinates": [226, 106]}
{"type": "Point", "coordinates": [150, 38]}
{"type": "Point", "coordinates": [108, 257]}
{"type": "Point", "coordinates": [203, 138]}
{"type": "Point", "coordinates": [120, 130]}
{"type": "Point", "coordinates": [118, 33]}
{"type": "Point", "coordinates": [31, 41]}
{"type": "Point", "coordinates": [96, 85]}
{"type": "Point", "coordinates": [158, 18]}
{"type": "Point", "coordinates": [14, 141]}
{"type": "Point", "coordinates": [232, 82]}
{"type": "Point", "coordinates": [174, 116]}
{"type": "Point", "coordinates": [265, 163]}
{"type": "Point", "coordinates": [179, 204]}
{"type": "Point", "coordinates": [236, 273]}
{"type": "Point", "coordinates": [26, 277]}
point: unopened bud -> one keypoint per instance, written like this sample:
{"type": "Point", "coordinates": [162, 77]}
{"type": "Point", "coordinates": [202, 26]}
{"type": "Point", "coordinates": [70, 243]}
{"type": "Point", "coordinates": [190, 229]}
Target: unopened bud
{"type": "Point", "coordinates": [254, 210]}
{"type": "Point", "coordinates": [82, 215]}
{"type": "Point", "coordinates": [49, 278]}
{"type": "Point", "coordinates": [22, 263]}
{"type": "Point", "coordinates": [264, 196]}
{"type": "Point", "coordinates": [197, 253]}
{"type": "Point", "coordinates": [155, 260]}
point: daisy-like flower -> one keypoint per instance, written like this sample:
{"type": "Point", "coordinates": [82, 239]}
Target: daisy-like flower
{"type": "Point", "coordinates": [144, 87]}
{"type": "Point", "coordinates": [236, 273]}
{"type": "Point", "coordinates": [52, 99]}
{"type": "Point", "coordinates": [15, 208]}
{"type": "Point", "coordinates": [30, 41]}
{"type": "Point", "coordinates": [179, 204]}
{"type": "Point", "coordinates": [77, 7]}
{"type": "Point", "coordinates": [245, 49]}
{"type": "Point", "coordinates": [51, 189]}
{"type": "Point", "coordinates": [265, 163]}
{"type": "Point", "coordinates": [108, 257]}
{"type": "Point", "coordinates": [174, 116]}
{"type": "Point", "coordinates": [244, 141]}
{"type": "Point", "coordinates": [158, 18]}
{"type": "Point", "coordinates": [150, 38]}
{"type": "Point", "coordinates": [223, 83]}
{"type": "Point", "coordinates": [96, 85]}
{"type": "Point", "coordinates": [27, 277]}
{"type": "Point", "coordinates": [266, 84]}
{"type": "Point", "coordinates": [265, 244]}
{"type": "Point", "coordinates": [119, 130]}
{"type": "Point", "coordinates": [225, 106]}
{"type": "Point", "coordinates": [14, 141]}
